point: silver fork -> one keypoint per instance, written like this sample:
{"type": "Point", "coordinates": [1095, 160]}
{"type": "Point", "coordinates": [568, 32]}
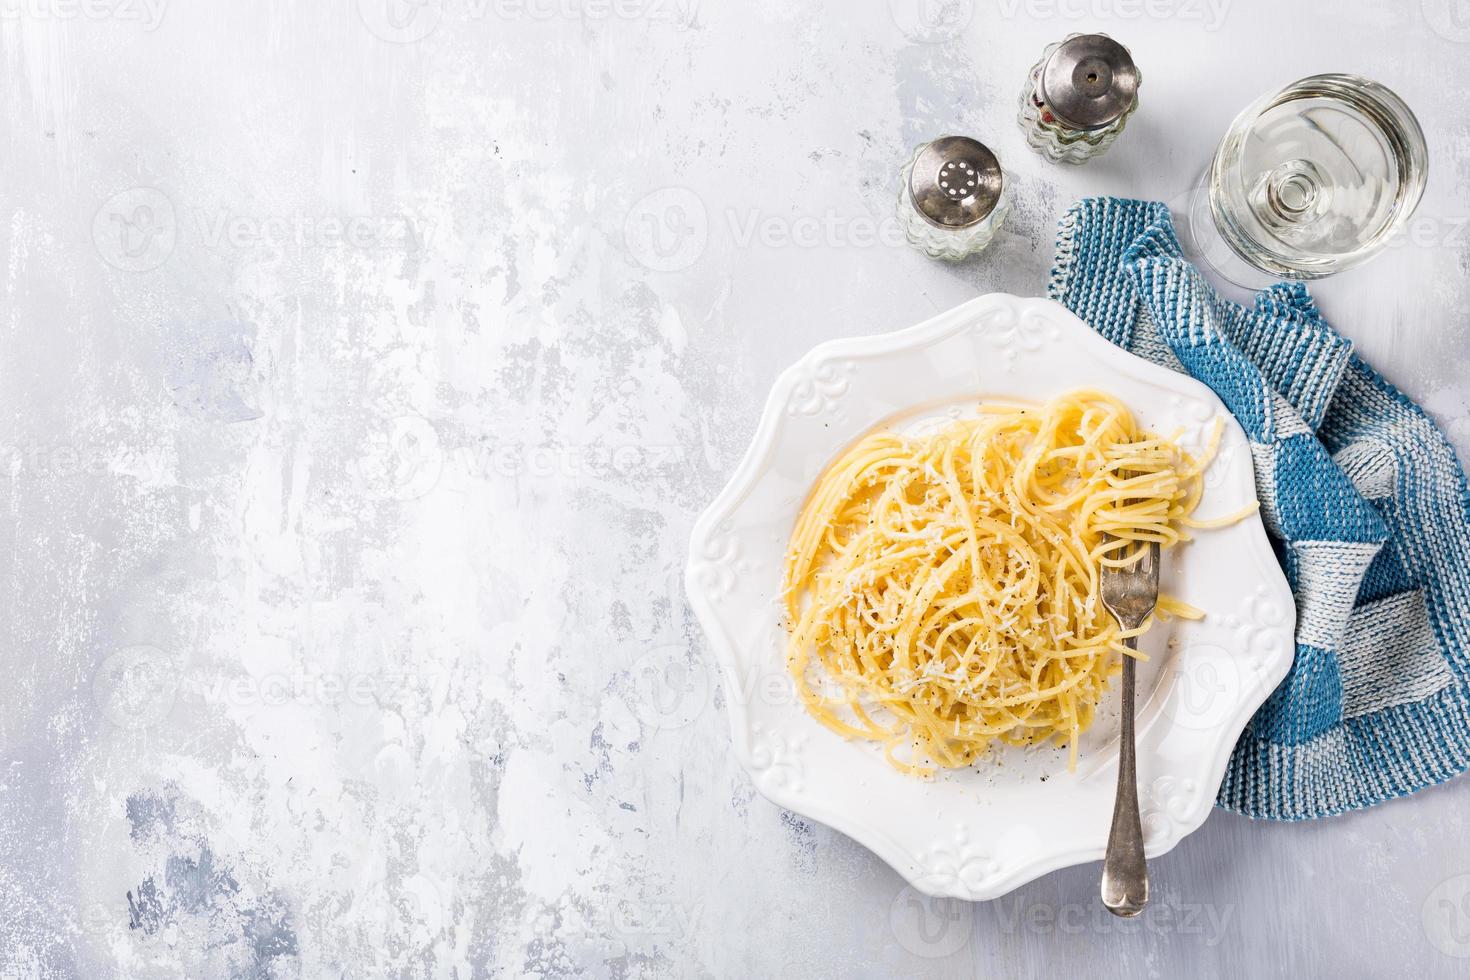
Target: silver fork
{"type": "Point", "coordinates": [1129, 594]}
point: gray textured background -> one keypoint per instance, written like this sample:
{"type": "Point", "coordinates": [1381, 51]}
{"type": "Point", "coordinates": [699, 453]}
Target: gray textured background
{"type": "Point", "coordinates": [362, 369]}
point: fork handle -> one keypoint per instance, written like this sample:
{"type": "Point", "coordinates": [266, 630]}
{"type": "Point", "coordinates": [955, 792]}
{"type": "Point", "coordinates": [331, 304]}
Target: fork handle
{"type": "Point", "coordinates": [1125, 872]}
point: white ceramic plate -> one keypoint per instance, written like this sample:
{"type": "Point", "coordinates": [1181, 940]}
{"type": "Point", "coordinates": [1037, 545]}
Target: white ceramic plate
{"type": "Point", "coordinates": [978, 833]}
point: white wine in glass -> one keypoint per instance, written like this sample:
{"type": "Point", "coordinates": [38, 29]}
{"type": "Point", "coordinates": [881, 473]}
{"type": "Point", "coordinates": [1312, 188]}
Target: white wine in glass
{"type": "Point", "coordinates": [1317, 177]}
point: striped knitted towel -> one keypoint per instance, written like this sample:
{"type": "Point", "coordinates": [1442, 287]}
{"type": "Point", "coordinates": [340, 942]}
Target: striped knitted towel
{"type": "Point", "coordinates": [1365, 502]}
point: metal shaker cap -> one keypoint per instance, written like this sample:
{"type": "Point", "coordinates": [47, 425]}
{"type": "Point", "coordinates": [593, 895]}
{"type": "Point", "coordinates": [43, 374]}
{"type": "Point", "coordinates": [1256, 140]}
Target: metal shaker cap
{"type": "Point", "coordinates": [955, 182]}
{"type": "Point", "coordinates": [1089, 81]}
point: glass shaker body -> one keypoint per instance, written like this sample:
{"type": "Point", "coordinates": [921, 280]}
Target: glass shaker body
{"type": "Point", "coordinates": [1078, 97]}
{"type": "Point", "coordinates": [952, 198]}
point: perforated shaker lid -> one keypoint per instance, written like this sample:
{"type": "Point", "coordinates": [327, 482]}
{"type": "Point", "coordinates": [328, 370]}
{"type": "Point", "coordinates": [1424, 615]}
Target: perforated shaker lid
{"type": "Point", "coordinates": [956, 182]}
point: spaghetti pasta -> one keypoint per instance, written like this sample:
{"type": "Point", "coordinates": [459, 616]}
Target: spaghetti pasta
{"type": "Point", "coordinates": [942, 590]}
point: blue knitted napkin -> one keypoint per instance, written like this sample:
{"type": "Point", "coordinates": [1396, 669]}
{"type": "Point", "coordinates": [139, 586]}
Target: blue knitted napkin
{"type": "Point", "coordinates": [1365, 502]}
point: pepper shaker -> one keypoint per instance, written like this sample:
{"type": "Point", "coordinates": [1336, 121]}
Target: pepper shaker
{"type": "Point", "coordinates": [1078, 97]}
{"type": "Point", "coordinates": [952, 197]}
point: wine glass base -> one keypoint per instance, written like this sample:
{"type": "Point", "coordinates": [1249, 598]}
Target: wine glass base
{"type": "Point", "coordinates": [1207, 249]}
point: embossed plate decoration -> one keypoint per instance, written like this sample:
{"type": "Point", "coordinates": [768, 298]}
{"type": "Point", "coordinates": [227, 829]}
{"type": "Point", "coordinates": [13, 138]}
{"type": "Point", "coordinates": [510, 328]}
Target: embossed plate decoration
{"type": "Point", "coordinates": [977, 833]}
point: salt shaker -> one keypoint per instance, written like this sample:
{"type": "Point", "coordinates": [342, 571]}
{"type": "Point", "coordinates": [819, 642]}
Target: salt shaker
{"type": "Point", "coordinates": [1078, 97]}
{"type": "Point", "coordinates": [952, 197]}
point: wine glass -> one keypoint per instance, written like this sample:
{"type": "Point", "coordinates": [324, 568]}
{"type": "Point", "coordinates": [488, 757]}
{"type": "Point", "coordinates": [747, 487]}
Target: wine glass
{"type": "Point", "coordinates": [1309, 180]}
